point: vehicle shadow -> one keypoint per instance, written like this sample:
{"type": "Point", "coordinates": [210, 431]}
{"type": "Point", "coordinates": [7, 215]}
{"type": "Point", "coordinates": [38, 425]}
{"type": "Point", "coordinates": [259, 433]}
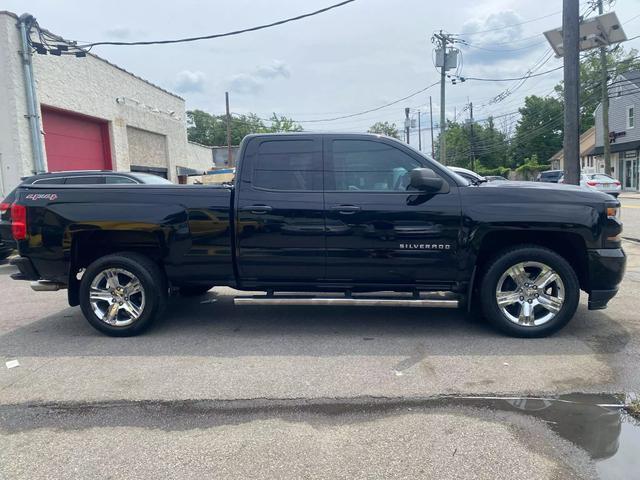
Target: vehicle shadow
{"type": "Point", "coordinates": [212, 326]}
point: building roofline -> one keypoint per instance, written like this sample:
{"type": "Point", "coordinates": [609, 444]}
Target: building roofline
{"type": "Point", "coordinates": [560, 153]}
{"type": "Point", "coordinates": [62, 39]}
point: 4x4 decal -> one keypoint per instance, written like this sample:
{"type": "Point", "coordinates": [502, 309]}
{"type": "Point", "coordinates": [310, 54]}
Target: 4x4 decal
{"type": "Point", "coordinates": [42, 196]}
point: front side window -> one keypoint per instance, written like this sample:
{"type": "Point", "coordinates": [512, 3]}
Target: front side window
{"type": "Point", "coordinates": [365, 165]}
{"type": "Point", "coordinates": [631, 117]}
{"type": "Point", "coordinates": [288, 165]}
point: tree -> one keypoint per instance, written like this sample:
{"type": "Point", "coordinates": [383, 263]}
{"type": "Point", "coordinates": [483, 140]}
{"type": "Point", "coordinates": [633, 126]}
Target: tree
{"type": "Point", "coordinates": [539, 130]}
{"type": "Point", "coordinates": [488, 145]}
{"type": "Point", "coordinates": [618, 61]}
{"type": "Point", "coordinates": [283, 124]}
{"type": "Point", "coordinates": [385, 128]}
{"type": "Point", "coordinates": [208, 129]}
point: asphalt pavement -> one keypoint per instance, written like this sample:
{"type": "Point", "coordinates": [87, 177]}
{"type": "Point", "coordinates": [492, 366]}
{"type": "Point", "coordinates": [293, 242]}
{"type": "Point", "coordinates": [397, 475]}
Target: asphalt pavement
{"type": "Point", "coordinates": [631, 215]}
{"type": "Point", "coordinates": [221, 391]}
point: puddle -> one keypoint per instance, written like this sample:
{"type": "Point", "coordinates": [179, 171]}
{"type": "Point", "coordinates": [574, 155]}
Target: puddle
{"type": "Point", "coordinates": [597, 423]}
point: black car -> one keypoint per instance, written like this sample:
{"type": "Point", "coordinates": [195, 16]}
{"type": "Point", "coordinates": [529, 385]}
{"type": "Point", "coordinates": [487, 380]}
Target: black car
{"type": "Point", "coordinates": [550, 176]}
{"type": "Point", "coordinates": [79, 177]}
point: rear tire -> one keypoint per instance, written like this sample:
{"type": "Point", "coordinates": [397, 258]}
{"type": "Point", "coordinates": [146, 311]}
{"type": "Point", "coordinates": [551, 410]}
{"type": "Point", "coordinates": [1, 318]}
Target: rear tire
{"type": "Point", "coordinates": [122, 294]}
{"type": "Point", "coordinates": [529, 291]}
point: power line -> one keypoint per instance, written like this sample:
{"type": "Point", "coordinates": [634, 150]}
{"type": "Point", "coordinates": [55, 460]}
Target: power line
{"type": "Point", "coordinates": [321, 120]}
{"type": "Point", "coordinates": [509, 79]}
{"type": "Point", "coordinates": [509, 26]}
{"type": "Point", "coordinates": [226, 34]}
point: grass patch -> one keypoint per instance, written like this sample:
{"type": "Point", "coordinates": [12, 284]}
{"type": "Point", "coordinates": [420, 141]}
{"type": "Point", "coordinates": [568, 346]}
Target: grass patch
{"type": "Point", "coordinates": [633, 409]}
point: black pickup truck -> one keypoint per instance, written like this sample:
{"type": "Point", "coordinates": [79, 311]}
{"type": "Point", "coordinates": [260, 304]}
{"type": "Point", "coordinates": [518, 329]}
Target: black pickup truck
{"type": "Point", "coordinates": [325, 219]}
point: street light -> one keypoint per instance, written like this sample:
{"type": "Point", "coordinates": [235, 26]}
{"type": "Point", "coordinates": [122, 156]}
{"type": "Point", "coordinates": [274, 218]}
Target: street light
{"type": "Point", "coordinates": [594, 32]}
{"type": "Point", "coordinates": [575, 36]}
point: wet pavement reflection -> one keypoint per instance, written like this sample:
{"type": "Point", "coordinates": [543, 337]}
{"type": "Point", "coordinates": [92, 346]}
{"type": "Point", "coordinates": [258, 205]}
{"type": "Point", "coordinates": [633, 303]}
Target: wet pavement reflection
{"type": "Point", "coordinates": [597, 423]}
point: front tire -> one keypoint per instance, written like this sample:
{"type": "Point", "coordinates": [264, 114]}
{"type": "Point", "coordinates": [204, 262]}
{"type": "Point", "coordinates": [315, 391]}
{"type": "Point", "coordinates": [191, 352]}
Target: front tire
{"type": "Point", "coordinates": [529, 291]}
{"type": "Point", "coordinates": [122, 294]}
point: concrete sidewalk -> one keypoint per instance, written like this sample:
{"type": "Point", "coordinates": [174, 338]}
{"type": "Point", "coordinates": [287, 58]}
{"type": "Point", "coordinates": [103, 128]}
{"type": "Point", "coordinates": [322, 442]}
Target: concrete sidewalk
{"type": "Point", "coordinates": [630, 195]}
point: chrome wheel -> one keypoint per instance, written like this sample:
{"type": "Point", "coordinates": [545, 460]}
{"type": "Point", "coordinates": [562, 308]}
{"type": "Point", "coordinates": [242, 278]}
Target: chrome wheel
{"type": "Point", "coordinates": [117, 297]}
{"type": "Point", "coordinates": [530, 293]}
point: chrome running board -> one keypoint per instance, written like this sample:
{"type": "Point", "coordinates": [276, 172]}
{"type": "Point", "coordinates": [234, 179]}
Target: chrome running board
{"type": "Point", "coordinates": [347, 301]}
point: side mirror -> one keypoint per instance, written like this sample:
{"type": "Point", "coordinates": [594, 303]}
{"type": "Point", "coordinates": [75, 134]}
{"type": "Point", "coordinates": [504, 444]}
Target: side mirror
{"type": "Point", "coordinates": [426, 180]}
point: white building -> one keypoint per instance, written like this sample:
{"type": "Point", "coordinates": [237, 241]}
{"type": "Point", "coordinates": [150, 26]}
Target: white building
{"type": "Point", "coordinates": [92, 115]}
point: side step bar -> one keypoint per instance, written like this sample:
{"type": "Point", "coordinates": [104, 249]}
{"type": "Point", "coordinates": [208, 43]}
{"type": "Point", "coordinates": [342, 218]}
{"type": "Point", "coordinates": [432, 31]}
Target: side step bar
{"type": "Point", "coordinates": [365, 302]}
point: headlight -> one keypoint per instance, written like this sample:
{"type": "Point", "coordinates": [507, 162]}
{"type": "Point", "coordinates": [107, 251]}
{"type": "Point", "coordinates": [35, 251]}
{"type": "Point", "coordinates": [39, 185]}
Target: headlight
{"type": "Point", "coordinates": [613, 212]}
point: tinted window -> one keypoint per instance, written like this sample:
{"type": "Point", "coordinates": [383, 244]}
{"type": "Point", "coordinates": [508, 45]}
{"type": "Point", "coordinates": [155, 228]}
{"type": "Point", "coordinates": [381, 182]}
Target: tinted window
{"type": "Point", "coordinates": [115, 179]}
{"type": "Point", "coordinates": [370, 166]}
{"type": "Point", "coordinates": [602, 177]}
{"type": "Point", "coordinates": [84, 180]}
{"type": "Point", "coordinates": [56, 181]}
{"type": "Point", "coordinates": [288, 165]}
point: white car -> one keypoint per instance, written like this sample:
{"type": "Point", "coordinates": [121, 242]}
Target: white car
{"type": "Point", "coordinates": [469, 175]}
{"type": "Point", "coordinates": [599, 181]}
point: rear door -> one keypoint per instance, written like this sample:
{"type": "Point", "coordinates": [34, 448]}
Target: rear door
{"type": "Point", "coordinates": [378, 230]}
{"type": "Point", "coordinates": [279, 211]}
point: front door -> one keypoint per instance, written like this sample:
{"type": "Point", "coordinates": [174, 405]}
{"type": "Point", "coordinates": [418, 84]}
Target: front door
{"type": "Point", "coordinates": [280, 217]}
{"type": "Point", "coordinates": [630, 174]}
{"type": "Point", "coordinates": [378, 232]}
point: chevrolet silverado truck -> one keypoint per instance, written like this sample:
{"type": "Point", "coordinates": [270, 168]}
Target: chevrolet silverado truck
{"type": "Point", "coordinates": [325, 219]}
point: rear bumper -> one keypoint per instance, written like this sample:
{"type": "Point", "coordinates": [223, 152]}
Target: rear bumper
{"type": "Point", "coordinates": [606, 270]}
{"type": "Point", "coordinates": [6, 246]}
{"type": "Point", "coordinates": [26, 269]}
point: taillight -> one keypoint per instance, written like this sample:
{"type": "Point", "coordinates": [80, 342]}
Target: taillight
{"type": "Point", "coordinates": [4, 206]}
{"type": "Point", "coordinates": [18, 221]}
{"type": "Point", "coordinates": [617, 184]}
{"type": "Point", "coordinates": [591, 183]}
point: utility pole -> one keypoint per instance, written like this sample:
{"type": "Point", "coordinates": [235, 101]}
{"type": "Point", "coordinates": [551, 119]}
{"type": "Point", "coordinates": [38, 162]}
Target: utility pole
{"type": "Point", "coordinates": [570, 45]}
{"type": "Point", "coordinates": [419, 133]}
{"type": "Point", "coordinates": [229, 153]}
{"type": "Point", "coordinates": [472, 140]}
{"type": "Point", "coordinates": [605, 103]}
{"type": "Point", "coordinates": [433, 147]}
{"type": "Point", "coordinates": [407, 125]}
{"type": "Point", "coordinates": [443, 40]}
{"type": "Point", "coordinates": [33, 106]}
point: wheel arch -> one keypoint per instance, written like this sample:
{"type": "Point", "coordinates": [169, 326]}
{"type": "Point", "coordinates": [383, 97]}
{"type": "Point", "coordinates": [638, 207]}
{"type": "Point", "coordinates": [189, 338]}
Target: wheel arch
{"type": "Point", "coordinates": [88, 246]}
{"type": "Point", "coordinates": [570, 246]}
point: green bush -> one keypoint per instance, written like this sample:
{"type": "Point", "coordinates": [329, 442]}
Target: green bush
{"type": "Point", "coordinates": [499, 171]}
{"type": "Point", "coordinates": [530, 168]}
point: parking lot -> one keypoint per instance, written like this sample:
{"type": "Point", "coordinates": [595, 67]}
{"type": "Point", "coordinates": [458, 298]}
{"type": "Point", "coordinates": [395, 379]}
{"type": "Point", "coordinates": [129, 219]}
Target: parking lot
{"type": "Point", "coordinates": [272, 392]}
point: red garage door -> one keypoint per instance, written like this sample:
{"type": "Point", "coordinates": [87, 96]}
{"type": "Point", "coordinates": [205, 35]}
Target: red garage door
{"type": "Point", "coordinates": [75, 142]}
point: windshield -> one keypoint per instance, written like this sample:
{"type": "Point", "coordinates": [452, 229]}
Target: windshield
{"type": "Point", "coordinates": [149, 178]}
{"type": "Point", "coordinates": [600, 177]}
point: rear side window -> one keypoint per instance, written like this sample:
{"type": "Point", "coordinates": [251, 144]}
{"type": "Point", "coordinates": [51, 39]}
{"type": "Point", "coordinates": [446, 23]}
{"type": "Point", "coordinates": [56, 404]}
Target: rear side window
{"type": "Point", "coordinates": [115, 179]}
{"type": "Point", "coordinates": [288, 165]}
{"type": "Point", "coordinates": [90, 180]}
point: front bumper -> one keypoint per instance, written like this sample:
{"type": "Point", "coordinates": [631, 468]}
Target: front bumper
{"type": "Point", "coordinates": [606, 270]}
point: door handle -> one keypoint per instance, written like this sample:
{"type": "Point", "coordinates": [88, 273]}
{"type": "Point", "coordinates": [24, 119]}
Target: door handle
{"type": "Point", "coordinates": [257, 209]}
{"type": "Point", "coordinates": [346, 209]}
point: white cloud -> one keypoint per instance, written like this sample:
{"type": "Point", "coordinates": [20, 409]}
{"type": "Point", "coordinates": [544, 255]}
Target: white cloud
{"type": "Point", "coordinates": [188, 81]}
{"type": "Point", "coordinates": [121, 32]}
{"type": "Point", "coordinates": [254, 82]}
